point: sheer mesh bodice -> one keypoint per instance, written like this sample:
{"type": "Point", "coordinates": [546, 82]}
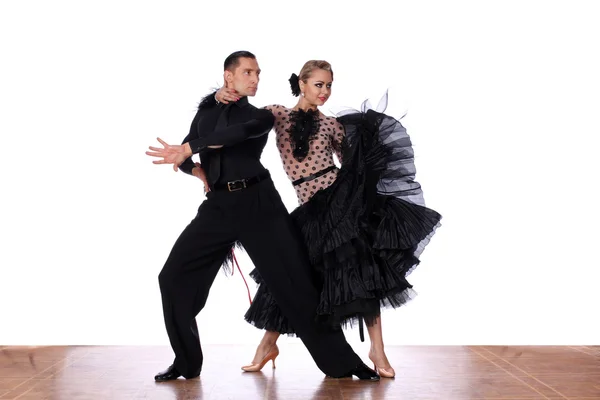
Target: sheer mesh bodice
{"type": "Point", "coordinates": [322, 144]}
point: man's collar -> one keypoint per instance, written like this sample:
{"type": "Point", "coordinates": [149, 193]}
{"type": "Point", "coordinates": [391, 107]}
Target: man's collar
{"type": "Point", "coordinates": [242, 102]}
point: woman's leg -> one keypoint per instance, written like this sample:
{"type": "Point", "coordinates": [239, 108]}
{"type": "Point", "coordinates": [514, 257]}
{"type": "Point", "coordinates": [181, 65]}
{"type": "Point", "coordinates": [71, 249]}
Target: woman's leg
{"type": "Point", "coordinates": [266, 344]}
{"type": "Point", "coordinates": [377, 352]}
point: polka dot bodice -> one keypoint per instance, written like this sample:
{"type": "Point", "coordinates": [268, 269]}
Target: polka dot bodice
{"type": "Point", "coordinates": [322, 146]}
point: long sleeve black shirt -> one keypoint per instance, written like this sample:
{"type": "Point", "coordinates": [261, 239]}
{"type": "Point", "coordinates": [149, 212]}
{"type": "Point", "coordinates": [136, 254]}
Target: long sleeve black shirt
{"type": "Point", "coordinates": [243, 139]}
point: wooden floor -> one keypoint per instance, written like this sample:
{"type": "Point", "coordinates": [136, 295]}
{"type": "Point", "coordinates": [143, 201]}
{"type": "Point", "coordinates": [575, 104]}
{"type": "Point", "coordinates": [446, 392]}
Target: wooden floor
{"type": "Point", "coordinates": [446, 373]}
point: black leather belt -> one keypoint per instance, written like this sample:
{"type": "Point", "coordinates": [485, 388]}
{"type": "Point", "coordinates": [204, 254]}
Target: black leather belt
{"type": "Point", "coordinates": [314, 176]}
{"type": "Point", "coordinates": [234, 186]}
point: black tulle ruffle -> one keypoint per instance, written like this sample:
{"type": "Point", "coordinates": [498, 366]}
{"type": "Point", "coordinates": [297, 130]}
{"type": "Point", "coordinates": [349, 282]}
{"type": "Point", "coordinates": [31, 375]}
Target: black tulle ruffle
{"type": "Point", "coordinates": [264, 313]}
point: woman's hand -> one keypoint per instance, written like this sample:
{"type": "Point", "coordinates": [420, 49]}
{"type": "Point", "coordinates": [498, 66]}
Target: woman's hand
{"type": "Point", "coordinates": [225, 95]}
{"type": "Point", "coordinates": [199, 173]}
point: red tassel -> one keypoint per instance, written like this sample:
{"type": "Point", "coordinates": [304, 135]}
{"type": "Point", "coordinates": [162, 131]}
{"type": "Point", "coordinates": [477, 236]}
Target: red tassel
{"type": "Point", "coordinates": [238, 267]}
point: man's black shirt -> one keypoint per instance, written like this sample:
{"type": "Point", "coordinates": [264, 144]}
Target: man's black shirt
{"type": "Point", "coordinates": [243, 132]}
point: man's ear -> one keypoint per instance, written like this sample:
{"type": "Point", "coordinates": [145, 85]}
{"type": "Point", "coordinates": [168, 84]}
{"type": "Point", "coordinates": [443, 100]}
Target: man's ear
{"type": "Point", "coordinates": [227, 78]}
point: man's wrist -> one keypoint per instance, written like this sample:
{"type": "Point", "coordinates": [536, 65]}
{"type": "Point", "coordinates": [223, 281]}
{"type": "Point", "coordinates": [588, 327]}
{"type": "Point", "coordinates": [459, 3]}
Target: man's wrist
{"type": "Point", "coordinates": [187, 150]}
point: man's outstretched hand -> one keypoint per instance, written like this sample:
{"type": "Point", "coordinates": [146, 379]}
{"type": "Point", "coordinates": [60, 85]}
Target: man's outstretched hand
{"type": "Point", "coordinates": [170, 154]}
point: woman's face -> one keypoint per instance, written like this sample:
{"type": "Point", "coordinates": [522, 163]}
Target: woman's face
{"type": "Point", "coordinates": [317, 88]}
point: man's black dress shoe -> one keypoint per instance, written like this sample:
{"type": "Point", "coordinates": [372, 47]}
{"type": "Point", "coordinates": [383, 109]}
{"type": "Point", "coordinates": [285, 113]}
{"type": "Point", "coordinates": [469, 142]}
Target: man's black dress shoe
{"type": "Point", "coordinates": [169, 374]}
{"type": "Point", "coordinates": [362, 372]}
{"type": "Point", "coordinates": [172, 373]}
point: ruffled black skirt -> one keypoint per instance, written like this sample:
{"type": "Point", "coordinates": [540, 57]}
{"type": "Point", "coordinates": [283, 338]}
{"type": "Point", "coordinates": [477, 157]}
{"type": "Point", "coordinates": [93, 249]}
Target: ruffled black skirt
{"type": "Point", "coordinates": [363, 233]}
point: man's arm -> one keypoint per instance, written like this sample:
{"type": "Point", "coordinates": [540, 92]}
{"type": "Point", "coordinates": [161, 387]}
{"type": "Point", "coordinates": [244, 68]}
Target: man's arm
{"type": "Point", "coordinates": [188, 165]}
{"type": "Point", "coordinates": [261, 124]}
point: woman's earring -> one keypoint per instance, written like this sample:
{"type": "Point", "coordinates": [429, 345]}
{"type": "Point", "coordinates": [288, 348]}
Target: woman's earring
{"type": "Point", "coordinates": [302, 94]}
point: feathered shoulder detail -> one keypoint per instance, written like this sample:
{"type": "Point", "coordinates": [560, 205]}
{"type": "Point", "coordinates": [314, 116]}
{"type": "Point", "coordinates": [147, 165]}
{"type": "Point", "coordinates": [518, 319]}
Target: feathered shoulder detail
{"type": "Point", "coordinates": [208, 101]}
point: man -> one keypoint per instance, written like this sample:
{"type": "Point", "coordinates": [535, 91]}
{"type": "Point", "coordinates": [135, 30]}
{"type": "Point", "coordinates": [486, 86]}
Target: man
{"type": "Point", "coordinates": [242, 205]}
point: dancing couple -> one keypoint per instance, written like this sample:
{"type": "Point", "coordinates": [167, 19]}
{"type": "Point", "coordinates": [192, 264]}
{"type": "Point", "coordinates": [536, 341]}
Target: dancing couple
{"type": "Point", "coordinates": [342, 254]}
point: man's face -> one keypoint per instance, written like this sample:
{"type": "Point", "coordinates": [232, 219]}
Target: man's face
{"type": "Point", "coordinates": [244, 78]}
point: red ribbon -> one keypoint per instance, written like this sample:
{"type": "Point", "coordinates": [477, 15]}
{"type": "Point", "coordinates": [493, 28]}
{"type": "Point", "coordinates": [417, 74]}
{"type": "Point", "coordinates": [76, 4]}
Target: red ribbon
{"type": "Point", "coordinates": [239, 269]}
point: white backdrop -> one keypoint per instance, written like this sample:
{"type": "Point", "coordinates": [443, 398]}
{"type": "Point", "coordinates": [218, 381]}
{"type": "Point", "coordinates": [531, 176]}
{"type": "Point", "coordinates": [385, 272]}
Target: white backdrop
{"type": "Point", "coordinates": [502, 106]}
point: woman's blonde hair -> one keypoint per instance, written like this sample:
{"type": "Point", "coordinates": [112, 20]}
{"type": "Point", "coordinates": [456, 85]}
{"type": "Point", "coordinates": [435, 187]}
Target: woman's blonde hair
{"type": "Point", "coordinates": [310, 66]}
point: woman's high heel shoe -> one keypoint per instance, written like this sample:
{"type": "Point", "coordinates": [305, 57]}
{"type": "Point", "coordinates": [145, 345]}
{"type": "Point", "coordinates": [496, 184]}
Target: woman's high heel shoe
{"type": "Point", "coordinates": [383, 372]}
{"type": "Point", "coordinates": [270, 356]}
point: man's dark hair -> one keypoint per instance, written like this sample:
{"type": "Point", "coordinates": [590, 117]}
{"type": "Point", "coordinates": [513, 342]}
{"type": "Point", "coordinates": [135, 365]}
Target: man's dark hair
{"type": "Point", "coordinates": [233, 60]}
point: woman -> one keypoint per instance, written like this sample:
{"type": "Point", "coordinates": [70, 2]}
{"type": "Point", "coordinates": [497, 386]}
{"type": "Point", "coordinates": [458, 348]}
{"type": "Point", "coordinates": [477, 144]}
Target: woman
{"type": "Point", "coordinates": [360, 223]}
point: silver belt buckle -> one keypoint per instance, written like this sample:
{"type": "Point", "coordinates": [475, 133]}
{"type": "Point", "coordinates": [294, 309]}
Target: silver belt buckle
{"type": "Point", "coordinates": [234, 189]}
